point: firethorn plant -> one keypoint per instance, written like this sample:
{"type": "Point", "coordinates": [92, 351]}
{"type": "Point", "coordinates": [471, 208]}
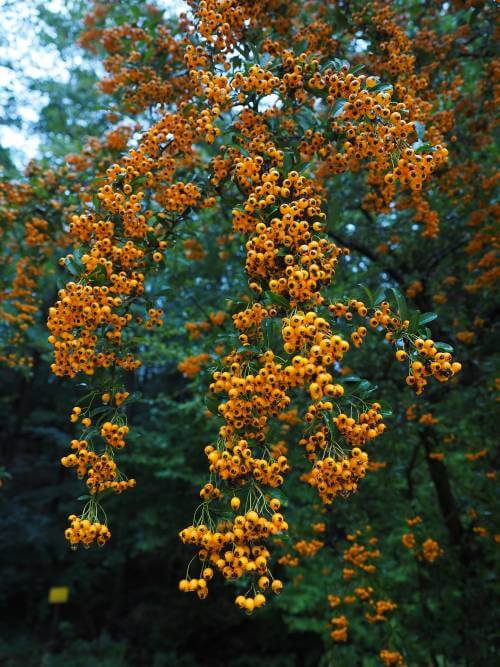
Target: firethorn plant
{"type": "Point", "coordinates": [229, 138]}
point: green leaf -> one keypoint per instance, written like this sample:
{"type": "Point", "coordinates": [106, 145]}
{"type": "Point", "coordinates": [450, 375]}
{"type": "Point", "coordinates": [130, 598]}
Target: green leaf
{"type": "Point", "coordinates": [401, 303]}
{"type": "Point", "coordinates": [271, 330]}
{"type": "Point", "coordinates": [212, 402]}
{"type": "Point", "coordinates": [78, 253]}
{"type": "Point", "coordinates": [426, 317]}
{"type": "Point", "coordinates": [444, 347]}
{"type": "Point", "coordinates": [365, 388]}
{"type": "Point", "coordinates": [379, 296]}
{"type": "Point", "coordinates": [278, 299]}
{"type": "Point", "coordinates": [72, 267]}
{"type": "Point", "coordinates": [356, 69]}
{"type": "Point", "coordinates": [361, 387]}
{"type": "Point", "coordinates": [381, 87]}
{"type": "Point", "coordinates": [300, 47]}
{"type": "Point", "coordinates": [288, 161]}
{"type": "Point", "coordinates": [386, 411]}
{"type": "Point", "coordinates": [139, 180]}
{"type": "Point", "coordinates": [338, 107]}
{"type": "Point", "coordinates": [424, 148]}
{"type": "Point", "coordinates": [247, 348]}
{"type": "Point", "coordinates": [328, 419]}
{"type": "Point", "coordinates": [282, 497]}
{"type": "Point", "coordinates": [231, 338]}
{"type": "Point", "coordinates": [100, 410]}
{"type": "Point", "coordinates": [414, 321]}
{"type": "Point", "coordinates": [167, 291]}
{"type": "Point", "coordinates": [367, 292]}
{"type": "Point", "coordinates": [339, 19]}
{"type": "Point", "coordinates": [336, 63]}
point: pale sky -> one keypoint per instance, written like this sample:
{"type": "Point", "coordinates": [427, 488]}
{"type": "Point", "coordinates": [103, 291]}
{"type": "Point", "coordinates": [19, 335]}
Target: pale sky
{"type": "Point", "coordinates": [19, 40]}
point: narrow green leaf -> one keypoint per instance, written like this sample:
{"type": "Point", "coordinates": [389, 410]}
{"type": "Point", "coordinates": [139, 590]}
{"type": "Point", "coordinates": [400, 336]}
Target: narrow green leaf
{"type": "Point", "coordinates": [443, 347]}
{"type": "Point", "coordinates": [211, 402]}
{"type": "Point", "coordinates": [414, 319]}
{"type": "Point", "coordinates": [379, 296]}
{"type": "Point", "coordinates": [338, 107]}
{"type": "Point", "coordinates": [277, 299]}
{"type": "Point", "coordinates": [367, 292]}
{"type": "Point", "coordinates": [424, 148]}
{"type": "Point", "coordinates": [72, 268]}
{"type": "Point", "coordinates": [401, 303]}
{"type": "Point", "coordinates": [100, 410]}
{"type": "Point", "coordinates": [328, 419]}
{"type": "Point", "coordinates": [356, 69]}
{"type": "Point", "coordinates": [365, 388]}
{"type": "Point", "coordinates": [381, 87]}
{"type": "Point", "coordinates": [271, 331]}
{"type": "Point", "coordinates": [426, 317]}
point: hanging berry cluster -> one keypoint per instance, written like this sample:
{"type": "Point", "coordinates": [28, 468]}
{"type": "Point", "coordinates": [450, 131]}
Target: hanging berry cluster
{"type": "Point", "coordinates": [289, 262]}
{"type": "Point", "coordinates": [290, 342]}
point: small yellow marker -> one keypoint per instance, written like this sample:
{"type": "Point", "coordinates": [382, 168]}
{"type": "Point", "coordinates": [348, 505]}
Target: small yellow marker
{"type": "Point", "coordinates": [58, 595]}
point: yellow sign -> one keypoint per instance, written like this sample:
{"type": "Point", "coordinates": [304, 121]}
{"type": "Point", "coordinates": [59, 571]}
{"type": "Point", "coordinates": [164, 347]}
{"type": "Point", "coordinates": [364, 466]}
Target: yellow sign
{"type": "Point", "coordinates": [58, 595]}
